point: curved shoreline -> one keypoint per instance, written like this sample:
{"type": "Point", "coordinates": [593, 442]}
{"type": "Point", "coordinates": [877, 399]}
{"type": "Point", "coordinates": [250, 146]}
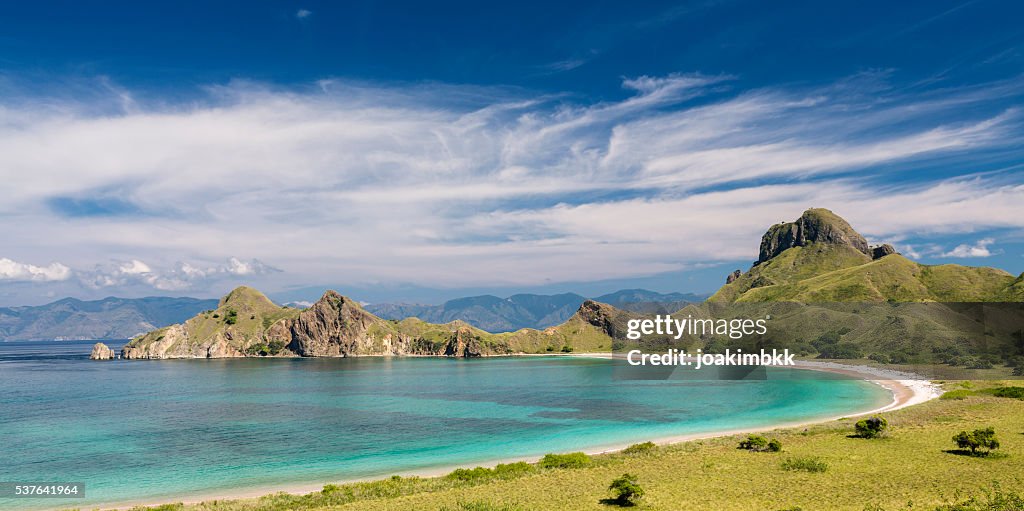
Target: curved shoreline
{"type": "Point", "coordinates": [907, 390]}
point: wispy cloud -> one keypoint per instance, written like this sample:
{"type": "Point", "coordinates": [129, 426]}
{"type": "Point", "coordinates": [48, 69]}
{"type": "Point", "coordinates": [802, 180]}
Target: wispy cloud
{"type": "Point", "coordinates": [182, 276]}
{"type": "Point", "coordinates": [447, 186]}
{"type": "Point", "coordinates": [303, 14]}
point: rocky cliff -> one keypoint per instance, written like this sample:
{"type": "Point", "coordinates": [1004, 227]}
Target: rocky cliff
{"type": "Point", "coordinates": [247, 324]}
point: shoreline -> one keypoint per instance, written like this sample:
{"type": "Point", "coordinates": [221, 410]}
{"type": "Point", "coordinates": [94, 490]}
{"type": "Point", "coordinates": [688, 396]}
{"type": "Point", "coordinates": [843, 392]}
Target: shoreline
{"type": "Point", "coordinates": [906, 389]}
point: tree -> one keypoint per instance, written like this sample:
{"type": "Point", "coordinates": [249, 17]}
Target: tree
{"type": "Point", "coordinates": [871, 428]}
{"type": "Point", "coordinates": [758, 443]}
{"type": "Point", "coordinates": [977, 439]}
{"type": "Point", "coordinates": [627, 491]}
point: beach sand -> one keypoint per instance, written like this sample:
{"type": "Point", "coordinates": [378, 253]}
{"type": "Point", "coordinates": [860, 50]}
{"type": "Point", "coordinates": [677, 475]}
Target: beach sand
{"type": "Point", "coordinates": [907, 389]}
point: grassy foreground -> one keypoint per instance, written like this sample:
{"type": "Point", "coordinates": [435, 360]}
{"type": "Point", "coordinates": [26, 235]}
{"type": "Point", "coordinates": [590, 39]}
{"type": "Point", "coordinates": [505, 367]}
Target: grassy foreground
{"type": "Point", "coordinates": [820, 467]}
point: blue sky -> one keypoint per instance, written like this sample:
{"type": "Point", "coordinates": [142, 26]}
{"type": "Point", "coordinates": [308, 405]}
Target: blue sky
{"type": "Point", "coordinates": [415, 151]}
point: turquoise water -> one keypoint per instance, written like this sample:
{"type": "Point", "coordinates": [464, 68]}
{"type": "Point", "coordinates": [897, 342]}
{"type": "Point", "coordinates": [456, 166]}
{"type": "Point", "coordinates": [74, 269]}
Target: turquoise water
{"type": "Point", "coordinates": [159, 430]}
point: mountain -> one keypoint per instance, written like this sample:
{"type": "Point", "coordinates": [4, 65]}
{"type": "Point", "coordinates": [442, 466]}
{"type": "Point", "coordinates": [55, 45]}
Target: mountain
{"type": "Point", "coordinates": [826, 292]}
{"type": "Point", "coordinates": [245, 324]}
{"type": "Point", "coordinates": [109, 318]}
{"type": "Point", "coordinates": [820, 258]}
{"type": "Point", "coordinates": [519, 311]}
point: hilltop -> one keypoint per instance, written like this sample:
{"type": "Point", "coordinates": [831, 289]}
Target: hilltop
{"type": "Point", "coordinates": [246, 323]}
{"type": "Point", "coordinates": [821, 258]}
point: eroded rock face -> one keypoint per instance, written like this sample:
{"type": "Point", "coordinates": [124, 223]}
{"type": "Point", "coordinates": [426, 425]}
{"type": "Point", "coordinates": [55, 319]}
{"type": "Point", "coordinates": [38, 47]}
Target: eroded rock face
{"type": "Point", "coordinates": [814, 226]}
{"type": "Point", "coordinates": [599, 315]}
{"type": "Point", "coordinates": [463, 344]}
{"type": "Point", "coordinates": [101, 351]}
{"type": "Point", "coordinates": [882, 251]}
{"type": "Point", "coordinates": [733, 276]}
{"type": "Point", "coordinates": [335, 326]}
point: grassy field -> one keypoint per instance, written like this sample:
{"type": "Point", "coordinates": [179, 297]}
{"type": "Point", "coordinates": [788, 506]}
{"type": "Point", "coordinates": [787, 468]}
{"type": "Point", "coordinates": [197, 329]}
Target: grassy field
{"type": "Point", "coordinates": [820, 467]}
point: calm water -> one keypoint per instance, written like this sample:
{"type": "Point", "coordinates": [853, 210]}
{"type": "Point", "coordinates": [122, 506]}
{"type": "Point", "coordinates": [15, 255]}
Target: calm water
{"type": "Point", "coordinates": [155, 430]}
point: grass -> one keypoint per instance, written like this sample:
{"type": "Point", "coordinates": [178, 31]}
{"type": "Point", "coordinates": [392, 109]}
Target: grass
{"type": "Point", "coordinates": [909, 465]}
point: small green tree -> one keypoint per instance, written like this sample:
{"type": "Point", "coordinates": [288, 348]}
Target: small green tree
{"type": "Point", "coordinates": [626, 490]}
{"type": "Point", "coordinates": [758, 443]}
{"type": "Point", "coordinates": [978, 439]}
{"type": "Point", "coordinates": [871, 428]}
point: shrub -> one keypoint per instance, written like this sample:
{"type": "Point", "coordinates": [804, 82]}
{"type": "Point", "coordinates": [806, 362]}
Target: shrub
{"type": "Point", "coordinates": [642, 448]}
{"type": "Point", "coordinates": [956, 394]}
{"type": "Point", "coordinates": [231, 317]}
{"type": "Point", "coordinates": [1010, 392]}
{"type": "Point", "coordinates": [566, 349]}
{"type": "Point", "coordinates": [758, 443]}
{"type": "Point", "coordinates": [984, 439]}
{"type": "Point", "coordinates": [871, 428]}
{"type": "Point", "coordinates": [570, 460]}
{"type": "Point", "coordinates": [808, 464]}
{"type": "Point", "coordinates": [626, 490]}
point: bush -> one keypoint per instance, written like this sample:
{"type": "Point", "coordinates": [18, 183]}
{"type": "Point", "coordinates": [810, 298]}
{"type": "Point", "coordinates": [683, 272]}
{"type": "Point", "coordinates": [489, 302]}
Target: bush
{"type": "Point", "coordinates": [1010, 392]}
{"type": "Point", "coordinates": [231, 317]}
{"type": "Point", "coordinates": [643, 448]}
{"type": "Point", "coordinates": [570, 460]}
{"type": "Point", "coordinates": [809, 464]}
{"type": "Point", "coordinates": [626, 490]}
{"type": "Point", "coordinates": [984, 439]}
{"type": "Point", "coordinates": [480, 474]}
{"type": "Point", "coordinates": [871, 428]}
{"type": "Point", "coordinates": [956, 394]}
{"type": "Point", "coordinates": [758, 443]}
{"type": "Point", "coordinates": [566, 349]}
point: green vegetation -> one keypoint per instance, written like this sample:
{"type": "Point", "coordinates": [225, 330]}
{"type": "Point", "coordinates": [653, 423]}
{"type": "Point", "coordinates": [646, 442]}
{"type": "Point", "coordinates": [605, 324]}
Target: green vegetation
{"type": "Point", "coordinates": [625, 490]}
{"type": "Point", "coordinates": [758, 443]}
{"type": "Point", "coordinates": [872, 427]}
{"type": "Point", "coordinates": [806, 464]}
{"type": "Point", "coordinates": [641, 448]}
{"type": "Point", "coordinates": [570, 460]}
{"type": "Point", "coordinates": [979, 442]}
{"type": "Point", "coordinates": [909, 465]}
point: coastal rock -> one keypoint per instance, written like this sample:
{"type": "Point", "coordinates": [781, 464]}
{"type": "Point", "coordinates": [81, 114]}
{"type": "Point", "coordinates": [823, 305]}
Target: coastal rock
{"type": "Point", "coordinates": [101, 351]}
{"type": "Point", "coordinates": [463, 343]}
{"type": "Point", "coordinates": [814, 226]}
{"type": "Point", "coordinates": [882, 251]}
{"type": "Point", "coordinates": [733, 276]}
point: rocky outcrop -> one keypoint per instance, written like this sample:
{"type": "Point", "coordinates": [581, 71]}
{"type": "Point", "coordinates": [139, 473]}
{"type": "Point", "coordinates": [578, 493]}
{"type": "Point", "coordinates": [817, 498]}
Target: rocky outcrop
{"type": "Point", "coordinates": [600, 315]}
{"type": "Point", "coordinates": [336, 326]}
{"type": "Point", "coordinates": [882, 251]}
{"type": "Point", "coordinates": [101, 351]}
{"type": "Point", "coordinates": [814, 226]}
{"type": "Point", "coordinates": [463, 343]}
{"type": "Point", "coordinates": [733, 276]}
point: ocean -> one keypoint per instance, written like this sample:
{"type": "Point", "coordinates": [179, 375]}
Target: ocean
{"type": "Point", "coordinates": [155, 431]}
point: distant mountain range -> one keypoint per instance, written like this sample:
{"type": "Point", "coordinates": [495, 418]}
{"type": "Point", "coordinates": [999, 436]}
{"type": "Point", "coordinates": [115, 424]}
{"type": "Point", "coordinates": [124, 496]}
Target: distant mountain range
{"type": "Point", "coordinates": [122, 318]}
{"type": "Point", "coordinates": [496, 314]}
{"type": "Point", "coordinates": [109, 318]}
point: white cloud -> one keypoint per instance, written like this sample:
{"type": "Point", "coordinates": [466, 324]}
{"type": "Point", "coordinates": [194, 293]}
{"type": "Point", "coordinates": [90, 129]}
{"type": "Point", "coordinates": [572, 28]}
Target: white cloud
{"type": "Point", "coordinates": [446, 185]}
{"type": "Point", "coordinates": [979, 249]}
{"type": "Point", "coordinates": [179, 277]}
{"type": "Point", "coordinates": [303, 13]}
{"type": "Point", "coordinates": [15, 271]}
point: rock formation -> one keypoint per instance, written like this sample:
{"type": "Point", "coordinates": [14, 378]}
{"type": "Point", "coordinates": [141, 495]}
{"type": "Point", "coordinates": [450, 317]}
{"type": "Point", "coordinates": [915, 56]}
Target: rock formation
{"type": "Point", "coordinates": [882, 251]}
{"type": "Point", "coordinates": [101, 351]}
{"type": "Point", "coordinates": [814, 226]}
{"type": "Point", "coordinates": [733, 276]}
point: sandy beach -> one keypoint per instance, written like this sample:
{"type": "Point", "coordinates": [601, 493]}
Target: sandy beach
{"type": "Point", "coordinates": [907, 390]}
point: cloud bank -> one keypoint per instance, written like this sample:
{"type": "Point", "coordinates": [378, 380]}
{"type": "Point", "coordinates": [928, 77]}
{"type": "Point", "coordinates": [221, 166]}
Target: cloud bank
{"type": "Point", "coordinates": [445, 185]}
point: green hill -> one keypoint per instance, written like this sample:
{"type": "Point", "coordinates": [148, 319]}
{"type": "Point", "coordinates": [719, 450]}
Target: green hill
{"type": "Point", "coordinates": [820, 258]}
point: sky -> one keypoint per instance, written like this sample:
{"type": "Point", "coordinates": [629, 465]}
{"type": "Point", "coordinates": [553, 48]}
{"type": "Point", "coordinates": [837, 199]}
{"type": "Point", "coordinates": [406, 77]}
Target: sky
{"type": "Point", "coordinates": [415, 151]}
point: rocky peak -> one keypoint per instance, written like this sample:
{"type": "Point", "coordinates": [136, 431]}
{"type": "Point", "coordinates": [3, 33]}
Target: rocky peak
{"type": "Point", "coordinates": [333, 326]}
{"type": "Point", "coordinates": [882, 251]}
{"type": "Point", "coordinates": [814, 226]}
{"type": "Point", "coordinates": [598, 314]}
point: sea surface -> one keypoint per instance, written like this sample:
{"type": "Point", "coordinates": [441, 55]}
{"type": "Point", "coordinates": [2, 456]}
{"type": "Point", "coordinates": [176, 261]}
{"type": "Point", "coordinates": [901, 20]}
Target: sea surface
{"type": "Point", "coordinates": [156, 431]}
